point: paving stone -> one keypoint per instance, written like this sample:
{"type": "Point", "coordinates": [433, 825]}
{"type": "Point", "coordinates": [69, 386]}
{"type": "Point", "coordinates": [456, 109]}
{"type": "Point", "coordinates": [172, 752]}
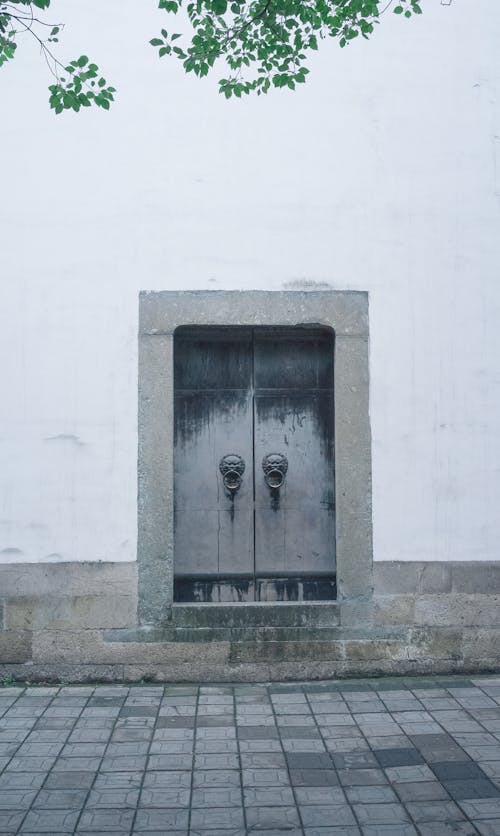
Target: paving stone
{"type": "Point", "coordinates": [299, 733]}
{"type": "Point", "coordinates": [224, 761]}
{"type": "Point", "coordinates": [319, 795]}
{"type": "Point", "coordinates": [73, 779]}
{"type": "Point", "coordinates": [403, 774]}
{"type": "Point", "coordinates": [265, 778]}
{"type": "Point", "coordinates": [434, 811]}
{"type": "Point", "coordinates": [398, 757]}
{"type": "Point", "coordinates": [119, 780]}
{"type": "Point", "coordinates": [10, 821]}
{"type": "Point", "coordinates": [488, 827]}
{"type": "Point", "coordinates": [217, 817]}
{"type": "Point", "coordinates": [361, 777]}
{"type": "Point", "coordinates": [21, 780]}
{"type": "Point", "coordinates": [270, 745]}
{"type": "Point", "coordinates": [50, 821]}
{"type": "Point", "coordinates": [259, 818]}
{"type": "Point", "coordinates": [327, 815]}
{"type": "Point", "coordinates": [134, 764]}
{"type": "Point", "coordinates": [268, 796]}
{"type": "Point", "coordinates": [264, 760]}
{"type": "Point", "coordinates": [471, 788]}
{"type": "Point", "coordinates": [216, 797]}
{"type": "Point", "coordinates": [371, 795]}
{"type": "Point", "coordinates": [354, 760]}
{"type": "Point", "coordinates": [457, 770]}
{"type": "Point", "coordinates": [447, 828]}
{"type": "Point", "coordinates": [421, 791]}
{"type": "Point", "coordinates": [216, 778]}
{"type": "Point", "coordinates": [113, 797]}
{"type": "Point", "coordinates": [389, 830]}
{"type": "Point", "coordinates": [331, 831]}
{"type": "Point", "coordinates": [481, 808]}
{"type": "Point", "coordinates": [164, 797]}
{"type": "Point", "coordinates": [370, 814]}
{"type": "Point", "coordinates": [105, 820]}
{"type": "Point", "coordinates": [302, 745]}
{"type": "Point", "coordinates": [314, 778]}
{"type": "Point", "coordinates": [309, 760]}
{"type": "Point", "coordinates": [16, 799]}
{"type": "Point", "coordinates": [62, 799]}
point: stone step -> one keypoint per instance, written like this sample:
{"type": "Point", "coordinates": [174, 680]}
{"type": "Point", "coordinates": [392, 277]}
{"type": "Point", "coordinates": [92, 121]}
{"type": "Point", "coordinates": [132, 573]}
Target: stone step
{"type": "Point", "coordinates": [311, 614]}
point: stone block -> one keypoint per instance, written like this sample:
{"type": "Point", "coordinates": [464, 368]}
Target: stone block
{"type": "Point", "coordinates": [482, 644]}
{"type": "Point", "coordinates": [18, 613]}
{"type": "Point", "coordinates": [357, 612]}
{"type": "Point", "coordinates": [459, 609]}
{"type": "Point", "coordinates": [412, 577]}
{"type": "Point", "coordinates": [282, 651]}
{"type": "Point", "coordinates": [82, 611]}
{"type": "Point", "coordinates": [70, 578]}
{"type": "Point", "coordinates": [436, 643]}
{"type": "Point", "coordinates": [476, 577]}
{"type": "Point", "coordinates": [15, 646]}
{"type": "Point", "coordinates": [88, 647]}
{"type": "Point", "coordinates": [394, 609]}
{"type": "Point", "coordinates": [366, 650]}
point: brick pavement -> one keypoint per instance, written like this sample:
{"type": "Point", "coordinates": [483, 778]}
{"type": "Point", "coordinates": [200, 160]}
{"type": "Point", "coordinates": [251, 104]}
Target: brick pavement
{"type": "Point", "coordinates": [390, 757]}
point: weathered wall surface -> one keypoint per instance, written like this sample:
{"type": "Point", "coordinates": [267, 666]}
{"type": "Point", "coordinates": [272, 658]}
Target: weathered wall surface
{"type": "Point", "coordinates": [381, 174]}
{"type": "Point", "coordinates": [78, 622]}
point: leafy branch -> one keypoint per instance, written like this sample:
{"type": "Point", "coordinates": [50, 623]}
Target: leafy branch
{"type": "Point", "coordinates": [80, 86]}
{"type": "Point", "coordinates": [266, 42]}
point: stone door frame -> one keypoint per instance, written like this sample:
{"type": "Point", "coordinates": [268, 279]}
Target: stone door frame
{"type": "Point", "coordinates": [160, 313]}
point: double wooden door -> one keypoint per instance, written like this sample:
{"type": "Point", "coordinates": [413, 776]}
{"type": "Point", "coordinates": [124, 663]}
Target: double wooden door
{"type": "Point", "coordinates": [254, 464]}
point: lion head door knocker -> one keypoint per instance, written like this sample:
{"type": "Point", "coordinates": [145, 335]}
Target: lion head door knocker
{"type": "Point", "coordinates": [232, 468]}
{"type": "Point", "coordinates": [275, 466]}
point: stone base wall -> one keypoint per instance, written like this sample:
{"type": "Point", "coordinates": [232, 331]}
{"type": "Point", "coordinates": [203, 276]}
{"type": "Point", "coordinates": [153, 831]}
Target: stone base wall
{"type": "Point", "coordinates": [78, 622]}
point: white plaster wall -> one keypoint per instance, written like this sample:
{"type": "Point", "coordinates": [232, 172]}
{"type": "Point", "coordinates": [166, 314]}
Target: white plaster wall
{"type": "Point", "coordinates": [380, 174]}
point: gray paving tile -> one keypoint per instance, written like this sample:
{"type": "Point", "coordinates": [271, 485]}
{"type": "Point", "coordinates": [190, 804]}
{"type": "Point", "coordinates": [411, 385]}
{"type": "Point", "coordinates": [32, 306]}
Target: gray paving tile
{"type": "Point", "coordinates": [342, 830]}
{"type": "Point", "coordinates": [217, 817]}
{"type": "Point", "coordinates": [50, 821]}
{"type": "Point", "coordinates": [63, 799]}
{"type": "Point", "coordinates": [371, 795]}
{"type": "Point", "coordinates": [377, 814]}
{"type": "Point", "coordinates": [264, 760]}
{"type": "Point", "coordinates": [389, 830]}
{"type": "Point", "coordinates": [447, 828]}
{"type": "Point", "coordinates": [10, 821]}
{"type": "Point", "coordinates": [72, 779]}
{"type": "Point", "coordinates": [314, 778]}
{"type": "Point", "coordinates": [361, 777]}
{"type": "Point", "coordinates": [327, 815]}
{"type": "Point", "coordinates": [268, 796]}
{"type": "Point", "coordinates": [319, 795]}
{"type": "Point", "coordinates": [105, 820]}
{"type": "Point", "coordinates": [265, 778]}
{"type": "Point", "coordinates": [216, 778]}
{"type": "Point", "coordinates": [434, 811]}
{"type": "Point", "coordinates": [488, 827]}
{"type": "Point", "coordinates": [354, 760]}
{"type": "Point", "coordinates": [16, 799]}
{"type": "Point", "coordinates": [421, 791]}
{"type": "Point", "coordinates": [259, 818]}
{"type": "Point", "coordinates": [152, 797]}
{"type": "Point", "coordinates": [117, 797]}
{"type": "Point", "coordinates": [216, 797]}
{"type": "Point", "coordinates": [481, 808]}
{"type": "Point", "coordinates": [398, 757]}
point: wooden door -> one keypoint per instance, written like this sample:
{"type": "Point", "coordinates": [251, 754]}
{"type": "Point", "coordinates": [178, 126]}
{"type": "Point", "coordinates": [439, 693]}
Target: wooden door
{"type": "Point", "coordinates": [253, 464]}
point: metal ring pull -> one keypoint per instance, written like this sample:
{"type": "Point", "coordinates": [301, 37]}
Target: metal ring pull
{"type": "Point", "coordinates": [275, 467]}
{"type": "Point", "coordinates": [232, 468]}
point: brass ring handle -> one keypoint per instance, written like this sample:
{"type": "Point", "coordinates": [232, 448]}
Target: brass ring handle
{"type": "Point", "coordinates": [275, 467]}
{"type": "Point", "coordinates": [232, 468]}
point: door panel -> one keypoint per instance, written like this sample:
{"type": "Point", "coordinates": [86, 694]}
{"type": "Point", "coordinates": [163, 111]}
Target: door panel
{"type": "Point", "coordinates": [294, 527]}
{"type": "Point", "coordinates": [213, 418]}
